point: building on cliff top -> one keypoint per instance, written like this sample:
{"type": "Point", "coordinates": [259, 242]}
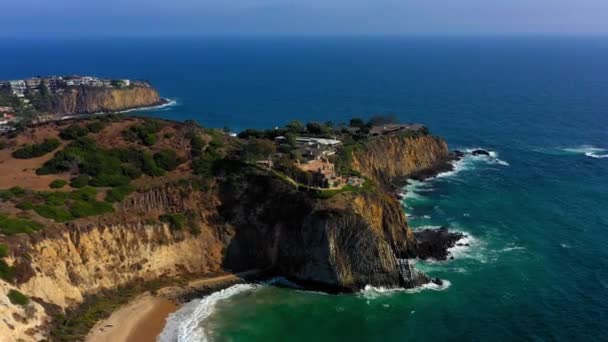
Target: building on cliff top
{"type": "Point", "coordinates": [395, 128]}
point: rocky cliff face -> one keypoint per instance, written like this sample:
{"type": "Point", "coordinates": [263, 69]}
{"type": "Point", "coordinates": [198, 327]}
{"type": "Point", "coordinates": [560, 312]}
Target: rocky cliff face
{"type": "Point", "coordinates": [391, 157]}
{"type": "Point", "coordinates": [342, 244]}
{"type": "Point", "coordinates": [245, 219]}
{"type": "Point", "coordinates": [84, 100]}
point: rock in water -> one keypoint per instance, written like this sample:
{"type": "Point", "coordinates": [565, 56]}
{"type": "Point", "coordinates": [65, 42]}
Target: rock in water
{"type": "Point", "coordinates": [437, 281]}
{"type": "Point", "coordinates": [434, 243]}
{"type": "Point", "coordinates": [480, 152]}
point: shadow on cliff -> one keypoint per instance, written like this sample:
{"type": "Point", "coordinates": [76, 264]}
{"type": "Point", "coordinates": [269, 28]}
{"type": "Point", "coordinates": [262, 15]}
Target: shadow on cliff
{"type": "Point", "coordinates": [319, 244]}
{"type": "Point", "coordinates": [265, 216]}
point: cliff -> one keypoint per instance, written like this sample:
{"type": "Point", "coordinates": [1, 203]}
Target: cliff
{"type": "Point", "coordinates": [243, 218]}
{"type": "Point", "coordinates": [391, 157]}
{"type": "Point", "coordinates": [87, 100]}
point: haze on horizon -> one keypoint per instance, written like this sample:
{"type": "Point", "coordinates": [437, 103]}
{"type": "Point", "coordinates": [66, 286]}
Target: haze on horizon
{"type": "Point", "coordinates": [298, 17]}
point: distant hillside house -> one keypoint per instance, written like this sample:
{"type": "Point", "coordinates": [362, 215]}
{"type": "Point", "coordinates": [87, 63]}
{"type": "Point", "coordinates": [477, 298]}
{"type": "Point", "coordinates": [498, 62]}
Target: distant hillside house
{"type": "Point", "coordinates": [315, 148]}
{"type": "Point", "coordinates": [18, 87]}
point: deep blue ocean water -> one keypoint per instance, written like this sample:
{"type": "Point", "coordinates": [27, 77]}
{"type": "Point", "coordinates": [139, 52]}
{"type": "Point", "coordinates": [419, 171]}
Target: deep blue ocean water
{"type": "Point", "coordinates": [537, 213]}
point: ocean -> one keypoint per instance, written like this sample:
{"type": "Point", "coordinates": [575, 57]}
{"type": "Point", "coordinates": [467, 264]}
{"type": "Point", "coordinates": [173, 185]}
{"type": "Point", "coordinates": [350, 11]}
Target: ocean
{"type": "Point", "coordinates": [535, 211]}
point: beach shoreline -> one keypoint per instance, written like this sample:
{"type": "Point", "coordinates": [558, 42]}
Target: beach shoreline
{"type": "Point", "coordinates": [144, 318]}
{"type": "Point", "coordinates": [140, 320]}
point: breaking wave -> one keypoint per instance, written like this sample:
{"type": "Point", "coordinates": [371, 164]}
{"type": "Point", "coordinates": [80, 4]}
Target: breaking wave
{"type": "Point", "coordinates": [588, 150]}
{"type": "Point", "coordinates": [185, 325]}
{"type": "Point", "coordinates": [468, 161]}
{"type": "Point", "coordinates": [169, 103]}
{"type": "Point", "coordinates": [372, 292]}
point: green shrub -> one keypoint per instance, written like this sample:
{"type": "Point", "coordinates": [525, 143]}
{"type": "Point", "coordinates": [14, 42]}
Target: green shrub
{"type": "Point", "coordinates": [86, 193]}
{"type": "Point", "coordinates": [66, 206]}
{"type": "Point", "coordinates": [11, 226]}
{"type": "Point", "coordinates": [11, 193]}
{"type": "Point", "coordinates": [96, 127]}
{"type": "Point", "coordinates": [17, 191]}
{"type": "Point", "coordinates": [17, 297]}
{"type": "Point", "coordinates": [73, 132]}
{"type": "Point", "coordinates": [109, 180]}
{"type": "Point", "coordinates": [144, 133]}
{"type": "Point", "coordinates": [58, 184]}
{"type": "Point", "coordinates": [166, 160]}
{"type": "Point", "coordinates": [54, 198]}
{"type": "Point", "coordinates": [7, 272]}
{"type": "Point", "coordinates": [25, 205]}
{"type": "Point", "coordinates": [149, 166]}
{"type": "Point", "coordinates": [131, 171]}
{"type": "Point", "coordinates": [83, 208]}
{"type": "Point", "coordinates": [79, 181]}
{"type": "Point", "coordinates": [3, 251]}
{"type": "Point", "coordinates": [118, 194]}
{"type": "Point", "coordinates": [104, 168]}
{"type": "Point", "coordinates": [53, 212]}
{"type": "Point", "coordinates": [175, 221]}
{"type": "Point", "coordinates": [36, 150]}
{"type": "Point", "coordinates": [2, 145]}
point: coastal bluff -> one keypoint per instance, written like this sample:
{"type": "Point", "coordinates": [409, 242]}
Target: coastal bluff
{"type": "Point", "coordinates": [82, 100]}
{"type": "Point", "coordinates": [188, 204]}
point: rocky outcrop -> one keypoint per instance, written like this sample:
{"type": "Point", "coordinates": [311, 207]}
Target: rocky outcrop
{"type": "Point", "coordinates": [435, 243]}
{"type": "Point", "coordinates": [392, 157]}
{"type": "Point", "coordinates": [340, 244]}
{"type": "Point", "coordinates": [88, 100]}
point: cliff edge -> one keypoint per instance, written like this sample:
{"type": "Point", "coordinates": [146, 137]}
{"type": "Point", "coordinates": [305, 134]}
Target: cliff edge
{"type": "Point", "coordinates": [89, 100]}
{"type": "Point", "coordinates": [139, 200]}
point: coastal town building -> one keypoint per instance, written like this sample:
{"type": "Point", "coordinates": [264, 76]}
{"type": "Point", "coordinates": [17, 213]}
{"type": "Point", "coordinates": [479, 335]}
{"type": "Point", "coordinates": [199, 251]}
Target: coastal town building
{"type": "Point", "coordinates": [18, 87]}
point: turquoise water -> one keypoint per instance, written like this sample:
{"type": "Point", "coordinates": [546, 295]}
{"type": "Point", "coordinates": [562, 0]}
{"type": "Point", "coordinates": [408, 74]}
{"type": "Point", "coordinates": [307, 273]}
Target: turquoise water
{"type": "Point", "coordinates": [537, 267]}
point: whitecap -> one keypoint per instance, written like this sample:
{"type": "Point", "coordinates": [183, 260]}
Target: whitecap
{"type": "Point", "coordinates": [184, 325]}
{"type": "Point", "coordinates": [588, 150]}
{"type": "Point", "coordinates": [373, 292]}
{"type": "Point", "coordinates": [514, 248]}
{"type": "Point", "coordinates": [564, 245]}
{"type": "Point", "coordinates": [169, 103]}
{"type": "Point", "coordinates": [468, 161]}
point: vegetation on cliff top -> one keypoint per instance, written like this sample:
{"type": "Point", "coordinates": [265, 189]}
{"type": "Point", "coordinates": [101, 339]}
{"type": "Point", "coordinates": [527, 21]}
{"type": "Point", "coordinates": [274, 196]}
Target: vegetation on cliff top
{"type": "Point", "coordinates": [12, 226]}
{"type": "Point", "coordinates": [36, 150]}
{"type": "Point", "coordinates": [141, 149]}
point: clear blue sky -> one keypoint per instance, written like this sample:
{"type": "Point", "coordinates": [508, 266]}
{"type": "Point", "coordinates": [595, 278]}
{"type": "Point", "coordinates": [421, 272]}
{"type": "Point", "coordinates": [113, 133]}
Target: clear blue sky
{"type": "Point", "coordinates": [301, 17]}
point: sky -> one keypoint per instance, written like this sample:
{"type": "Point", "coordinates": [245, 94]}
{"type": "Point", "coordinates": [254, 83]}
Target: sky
{"type": "Point", "coordinates": [301, 17]}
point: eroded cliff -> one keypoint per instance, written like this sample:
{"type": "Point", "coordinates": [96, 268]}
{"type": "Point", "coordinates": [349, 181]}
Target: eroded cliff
{"type": "Point", "coordinates": [86, 100]}
{"type": "Point", "coordinates": [392, 157]}
{"type": "Point", "coordinates": [243, 218]}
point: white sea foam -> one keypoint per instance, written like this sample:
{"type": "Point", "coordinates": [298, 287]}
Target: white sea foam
{"type": "Point", "coordinates": [169, 103]}
{"type": "Point", "coordinates": [463, 246]}
{"type": "Point", "coordinates": [588, 150]}
{"type": "Point", "coordinates": [373, 292]}
{"type": "Point", "coordinates": [513, 248]}
{"type": "Point", "coordinates": [184, 325]}
{"type": "Point", "coordinates": [468, 161]}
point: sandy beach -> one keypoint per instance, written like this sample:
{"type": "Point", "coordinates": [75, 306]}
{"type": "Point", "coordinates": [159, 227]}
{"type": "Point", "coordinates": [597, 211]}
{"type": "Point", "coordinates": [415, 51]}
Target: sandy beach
{"type": "Point", "coordinates": [144, 318]}
{"type": "Point", "coordinates": [141, 320]}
